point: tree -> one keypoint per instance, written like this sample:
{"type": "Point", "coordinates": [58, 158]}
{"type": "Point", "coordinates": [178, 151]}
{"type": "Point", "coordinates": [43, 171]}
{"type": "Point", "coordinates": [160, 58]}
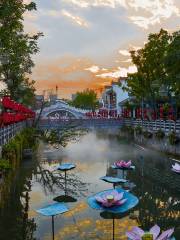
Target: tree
{"type": "Point", "coordinates": [16, 48]}
{"type": "Point", "coordinates": [151, 73]}
{"type": "Point", "coordinates": [85, 100]}
{"type": "Point", "coordinates": [172, 64]}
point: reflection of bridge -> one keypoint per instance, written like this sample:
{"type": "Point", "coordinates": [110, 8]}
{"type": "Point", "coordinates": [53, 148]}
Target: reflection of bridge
{"type": "Point", "coordinates": [82, 123]}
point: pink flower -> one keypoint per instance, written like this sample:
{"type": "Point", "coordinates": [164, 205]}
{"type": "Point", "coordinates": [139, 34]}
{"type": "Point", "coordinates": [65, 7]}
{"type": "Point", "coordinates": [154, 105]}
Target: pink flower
{"type": "Point", "coordinates": [176, 167]}
{"type": "Point", "coordinates": [110, 199]}
{"type": "Point", "coordinates": [123, 164]}
{"type": "Point", "coordinates": [137, 234]}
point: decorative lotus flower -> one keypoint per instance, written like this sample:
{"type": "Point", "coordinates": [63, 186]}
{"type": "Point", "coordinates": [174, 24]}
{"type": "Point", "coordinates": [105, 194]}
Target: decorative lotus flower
{"type": "Point", "coordinates": [176, 168]}
{"type": "Point", "coordinates": [154, 234]}
{"type": "Point", "coordinates": [111, 198]}
{"type": "Point", "coordinates": [123, 164]}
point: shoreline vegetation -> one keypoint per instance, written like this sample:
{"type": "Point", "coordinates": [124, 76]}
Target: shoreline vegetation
{"type": "Point", "coordinates": [12, 157]}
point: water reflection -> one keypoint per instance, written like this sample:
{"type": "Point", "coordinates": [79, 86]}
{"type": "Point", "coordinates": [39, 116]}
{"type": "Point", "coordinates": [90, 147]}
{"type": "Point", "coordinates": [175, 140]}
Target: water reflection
{"type": "Point", "coordinates": [15, 221]}
{"type": "Point", "coordinates": [38, 184]}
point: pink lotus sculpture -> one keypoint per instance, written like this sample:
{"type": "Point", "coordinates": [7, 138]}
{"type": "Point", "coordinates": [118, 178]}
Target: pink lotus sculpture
{"type": "Point", "coordinates": [110, 199]}
{"type": "Point", "coordinates": [123, 164]}
{"type": "Point", "coordinates": [176, 168]}
{"type": "Point", "coordinates": [154, 233]}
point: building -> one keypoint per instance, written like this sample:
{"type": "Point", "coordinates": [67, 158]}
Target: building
{"type": "Point", "coordinates": [39, 101]}
{"type": "Point", "coordinates": [53, 98]}
{"type": "Point", "coordinates": [73, 96]}
{"type": "Point", "coordinates": [113, 95]}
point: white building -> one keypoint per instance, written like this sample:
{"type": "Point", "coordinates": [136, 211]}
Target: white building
{"type": "Point", "coordinates": [114, 94]}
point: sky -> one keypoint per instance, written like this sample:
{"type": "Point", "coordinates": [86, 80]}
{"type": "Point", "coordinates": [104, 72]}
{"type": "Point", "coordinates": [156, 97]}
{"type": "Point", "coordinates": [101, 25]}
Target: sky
{"type": "Point", "coordinates": [86, 43]}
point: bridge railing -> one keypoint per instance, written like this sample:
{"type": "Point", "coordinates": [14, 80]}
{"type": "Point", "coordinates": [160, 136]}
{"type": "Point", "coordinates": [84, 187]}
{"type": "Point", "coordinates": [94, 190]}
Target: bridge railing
{"type": "Point", "coordinates": [9, 132]}
{"type": "Point", "coordinates": [166, 126]}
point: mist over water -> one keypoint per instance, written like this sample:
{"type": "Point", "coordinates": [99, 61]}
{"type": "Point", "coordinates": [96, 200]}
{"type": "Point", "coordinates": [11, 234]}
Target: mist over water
{"type": "Point", "coordinates": [94, 153]}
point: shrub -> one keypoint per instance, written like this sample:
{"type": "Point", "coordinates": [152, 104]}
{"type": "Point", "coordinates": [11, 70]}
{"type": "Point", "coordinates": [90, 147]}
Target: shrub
{"type": "Point", "coordinates": [173, 139]}
{"type": "Point", "coordinates": [160, 134]}
{"type": "Point", "coordinates": [124, 128]}
{"type": "Point", "coordinates": [4, 164]}
{"type": "Point", "coordinates": [138, 129]}
{"type": "Point", "coordinates": [147, 134]}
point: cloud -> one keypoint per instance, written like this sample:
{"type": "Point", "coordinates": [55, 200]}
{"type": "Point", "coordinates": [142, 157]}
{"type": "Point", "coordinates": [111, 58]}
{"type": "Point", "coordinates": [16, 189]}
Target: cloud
{"type": "Point", "coordinates": [149, 12]}
{"type": "Point", "coordinates": [120, 72]}
{"type": "Point", "coordinates": [30, 16]}
{"type": "Point", "coordinates": [127, 61]}
{"type": "Point", "coordinates": [135, 48]}
{"type": "Point", "coordinates": [68, 73]}
{"type": "Point", "coordinates": [124, 52]}
{"type": "Point", "coordinates": [26, 1]}
{"type": "Point", "coordinates": [93, 69]}
{"type": "Point", "coordinates": [97, 3]}
{"type": "Point", "coordinates": [75, 19]}
{"type": "Point", "coordinates": [156, 10]}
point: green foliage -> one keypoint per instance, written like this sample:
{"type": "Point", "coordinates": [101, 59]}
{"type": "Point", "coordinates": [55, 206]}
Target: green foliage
{"type": "Point", "coordinates": [4, 164]}
{"type": "Point", "coordinates": [13, 150]}
{"type": "Point", "coordinates": [173, 139]}
{"type": "Point", "coordinates": [16, 49]}
{"type": "Point", "coordinates": [172, 64]}
{"type": "Point", "coordinates": [166, 107]}
{"type": "Point", "coordinates": [147, 134]}
{"type": "Point", "coordinates": [138, 129]}
{"type": "Point", "coordinates": [160, 134]}
{"type": "Point", "coordinates": [129, 105]}
{"type": "Point", "coordinates": [158, 68]}
{"type": "Point", "coordinates": [86, 100]}
{"type": "Point", "coordinates": [128, 129]}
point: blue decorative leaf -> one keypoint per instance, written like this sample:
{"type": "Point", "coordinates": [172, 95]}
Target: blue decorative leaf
{"type": "Point", "coordinates": [66, 166]}
{"type": "Point", "coordinates": [113, 179]}
{"type": "Point", "coordinates": [131, 202]}
{"type": "Point", "coordinates": [53, 209]}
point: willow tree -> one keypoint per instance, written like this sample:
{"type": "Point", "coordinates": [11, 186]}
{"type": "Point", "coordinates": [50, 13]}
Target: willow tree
{"type": "Point", "coordinates": [16, 50]}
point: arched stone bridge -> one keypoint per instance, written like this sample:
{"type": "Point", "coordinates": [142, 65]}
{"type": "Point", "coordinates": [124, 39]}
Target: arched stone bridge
{"type": "Point", "coordinates": [62, 115]}
{"type": "Point", "coordinates": [62, 110]}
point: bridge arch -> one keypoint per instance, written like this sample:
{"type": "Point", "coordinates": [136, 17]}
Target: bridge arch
{"type": "Point", "coordinates": [61, 113]}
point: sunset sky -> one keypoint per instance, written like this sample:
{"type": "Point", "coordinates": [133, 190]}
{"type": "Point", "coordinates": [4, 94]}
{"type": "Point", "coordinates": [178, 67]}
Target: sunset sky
{"type": "Point", "coordinates": [86, 42]}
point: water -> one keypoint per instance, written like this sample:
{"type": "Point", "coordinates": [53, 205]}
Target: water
{"type": "Point", "coordinates": [36, 184]}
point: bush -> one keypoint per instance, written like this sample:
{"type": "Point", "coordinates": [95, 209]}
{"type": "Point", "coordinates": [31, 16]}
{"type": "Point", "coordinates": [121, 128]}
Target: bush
{"type": "Point", "coordinates": [160, 134]}
{"type": "Point", "coordinates": [124, 128]}
{"type": "Point", "coordinates": [128, 129]}
{"type": "Point", "coordinates": [138, 129]}
{"type": "Point", "coordinates": [4, 164]}
{"type": "Point", "coordinates": [173, 139]}
{"type": "Point", "coordinates": [147, 134]}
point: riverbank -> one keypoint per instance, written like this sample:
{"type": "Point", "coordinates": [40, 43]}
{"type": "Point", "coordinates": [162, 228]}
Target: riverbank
{"type": "Point", "coordinates": [11, 159]}
{"type": "Point", "coordinates": [159, 141]}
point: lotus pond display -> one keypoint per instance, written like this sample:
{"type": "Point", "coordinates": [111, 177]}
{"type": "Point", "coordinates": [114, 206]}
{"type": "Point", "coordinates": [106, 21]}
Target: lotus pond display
{"type": "Point", "coordinates": [176, 168]}
{"type": "Point", "coordinates": [121, 164]}
{"type": "Point", "coordinates": [154, 234]}
{"type": "Point", "coordinates": [112, 198]}
{"type": "Point", "coordinates": [114, 201]}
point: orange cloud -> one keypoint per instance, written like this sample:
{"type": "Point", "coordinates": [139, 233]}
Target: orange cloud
{"type": "Point", "coordinates": [69, 74]}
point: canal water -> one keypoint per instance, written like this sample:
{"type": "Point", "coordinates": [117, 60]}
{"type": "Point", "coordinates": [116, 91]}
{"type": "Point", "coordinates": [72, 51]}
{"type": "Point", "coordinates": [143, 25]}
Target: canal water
{"type": "Point", "coordinates": [37, 183]}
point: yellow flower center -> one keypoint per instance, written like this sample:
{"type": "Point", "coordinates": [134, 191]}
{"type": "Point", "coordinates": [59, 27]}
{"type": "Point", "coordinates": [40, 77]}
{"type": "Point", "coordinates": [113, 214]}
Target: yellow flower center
{"type": "Point", "coordinates": [110, 198]}
{"type": "Point", "coordinates": [147, 236]}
